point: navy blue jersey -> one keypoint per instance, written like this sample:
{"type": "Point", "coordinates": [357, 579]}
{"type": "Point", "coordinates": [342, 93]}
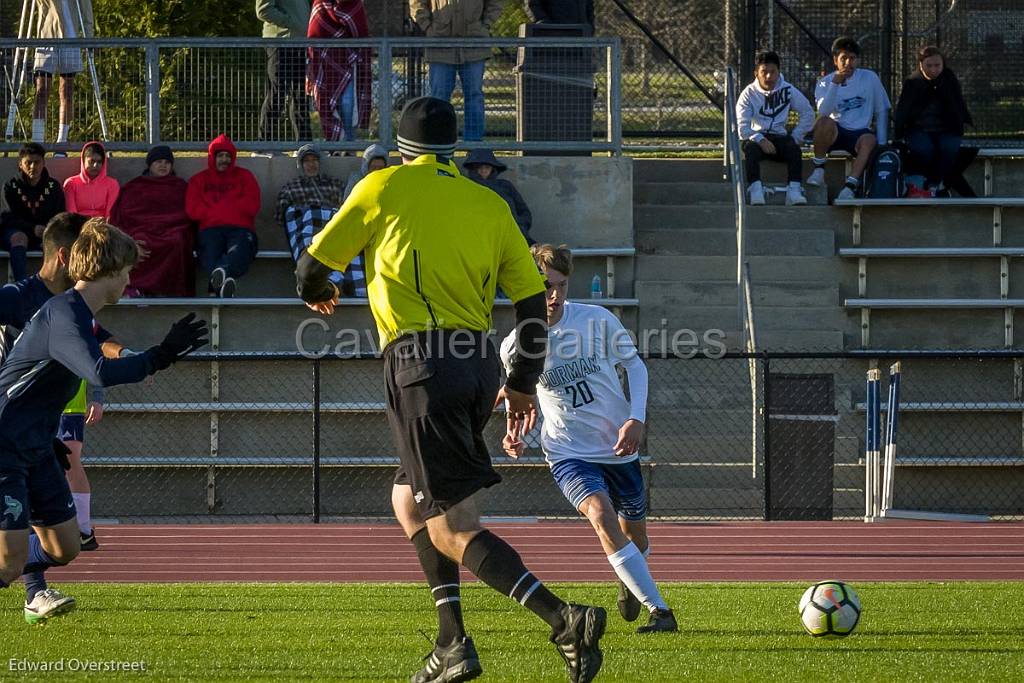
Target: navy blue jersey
{"type": "Point", "coordinates": [42, 371]}
{"type": "Point", "coordinates": [19, 301]}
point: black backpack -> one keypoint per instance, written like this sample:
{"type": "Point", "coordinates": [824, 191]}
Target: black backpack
{"type": "Point", "coordinates": [885, 175]}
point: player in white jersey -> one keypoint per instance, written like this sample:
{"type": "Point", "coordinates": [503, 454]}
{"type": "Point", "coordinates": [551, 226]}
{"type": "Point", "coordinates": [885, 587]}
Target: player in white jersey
{"type": "Point", "coordinates": [591, 432]}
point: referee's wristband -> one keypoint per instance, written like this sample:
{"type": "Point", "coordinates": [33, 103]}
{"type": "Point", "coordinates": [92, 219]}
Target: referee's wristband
{"type": "Point", "coordinates": [524, 385]}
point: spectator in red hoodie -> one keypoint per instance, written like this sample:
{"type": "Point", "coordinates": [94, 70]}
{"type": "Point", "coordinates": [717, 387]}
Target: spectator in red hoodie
{"type": "Point", "coordinates": [224, 200]}
{"type": "Point", "coordinates": [92, 192]}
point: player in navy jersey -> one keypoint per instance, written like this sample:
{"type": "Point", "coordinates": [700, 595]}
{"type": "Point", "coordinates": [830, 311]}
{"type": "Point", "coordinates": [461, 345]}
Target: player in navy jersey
{"type": "Point", "coordinates": [41, 373]}
{"type": "Point", "coordinates": [19, 301]}
{"type": "Point", "coordinates": [591, 432]}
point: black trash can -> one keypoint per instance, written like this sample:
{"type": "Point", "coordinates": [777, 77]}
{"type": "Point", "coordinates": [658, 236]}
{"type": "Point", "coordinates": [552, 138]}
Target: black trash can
{"type": "Point", "coordinates": [800, 448]}
{"type": "Point", "coordinates": [555, 89]}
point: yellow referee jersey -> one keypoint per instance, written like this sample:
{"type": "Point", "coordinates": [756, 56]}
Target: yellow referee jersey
{"type": "Point", "coordinates": [437, 246]}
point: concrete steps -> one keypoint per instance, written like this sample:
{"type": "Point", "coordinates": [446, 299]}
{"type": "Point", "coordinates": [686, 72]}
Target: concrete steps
{"type": "Point", "coordinates": [723, 217]}
{"type": "Point", "coordinates": [680, 193]}
{"type": "Point", "coordinates": [723, 293]}
{"type": "Point", "coordinates": [695, 241]}
{"type": "Point", "coordinates": [680, 268]}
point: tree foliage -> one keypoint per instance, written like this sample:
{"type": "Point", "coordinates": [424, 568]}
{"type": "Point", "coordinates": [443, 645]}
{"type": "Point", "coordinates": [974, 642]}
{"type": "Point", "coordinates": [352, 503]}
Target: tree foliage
{"type": "Point", "coordinates": [162, 18]}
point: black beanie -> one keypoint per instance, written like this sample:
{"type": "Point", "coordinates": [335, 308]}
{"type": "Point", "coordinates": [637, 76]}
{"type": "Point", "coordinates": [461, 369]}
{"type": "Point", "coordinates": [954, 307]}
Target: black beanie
{"type": "Point", "coordinates": [427, 126]}
{"type": "Point", "coordinates": [159, 152]}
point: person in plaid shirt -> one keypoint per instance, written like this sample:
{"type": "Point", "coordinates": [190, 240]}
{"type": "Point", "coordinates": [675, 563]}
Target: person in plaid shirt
{"type": "Point", "coordinates": [305, 204]}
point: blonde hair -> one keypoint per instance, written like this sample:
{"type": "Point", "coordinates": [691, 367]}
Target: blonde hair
{"type": "Point", "coordinates": [101, 250]}
{"type": "Point", "coordinates": [557, 258]}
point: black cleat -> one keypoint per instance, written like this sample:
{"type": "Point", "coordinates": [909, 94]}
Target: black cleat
{"type": "Point", "coordinates": [578, 641]}
{"type": "Point", "coordinates": [450, 664]}
{"type": "Point", "coordinates": [89, 541]}
{"type": "Point", "coordinates": [661, 621]}
{"type": "Point", "coordinates": [629, 606]}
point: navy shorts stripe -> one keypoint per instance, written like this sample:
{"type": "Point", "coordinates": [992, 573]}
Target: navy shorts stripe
{"type": "Point", "coordinates": [622, 482]}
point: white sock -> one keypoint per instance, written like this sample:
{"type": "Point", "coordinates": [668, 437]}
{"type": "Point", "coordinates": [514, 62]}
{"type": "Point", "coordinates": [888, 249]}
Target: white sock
{"type": "Point", "coordinates": [794, 184]}
{"type": "Point", "coordinates": [756, 185]}
{"type": "Point", "coordinates": [852, 182]}
{"type": "Point", "coordinates": [82, 503]}
{"type": "Point", "coordinates": [631, 567]}
{"type": "Point", "coordinates": [819, 162]}
{"type": "Point", "coordinates": [62, 132]}
{"type": "Point", "coordinates": [38, 130]}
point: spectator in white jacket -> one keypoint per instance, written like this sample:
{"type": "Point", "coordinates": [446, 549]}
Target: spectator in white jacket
{"type": "Point", "coordinates": [762, 111]}
{"type": "Point", "coordinates": [848, 99]}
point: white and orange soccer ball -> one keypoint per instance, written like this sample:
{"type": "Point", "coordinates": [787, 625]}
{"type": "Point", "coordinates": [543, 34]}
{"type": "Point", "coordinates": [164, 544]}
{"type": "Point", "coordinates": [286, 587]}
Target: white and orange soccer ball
{"type": "Point", "coordinates": [830, 609]}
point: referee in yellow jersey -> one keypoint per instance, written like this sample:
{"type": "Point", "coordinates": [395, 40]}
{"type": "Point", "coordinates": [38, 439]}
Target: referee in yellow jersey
{"type": "Point", "coordinates": [437, 246]}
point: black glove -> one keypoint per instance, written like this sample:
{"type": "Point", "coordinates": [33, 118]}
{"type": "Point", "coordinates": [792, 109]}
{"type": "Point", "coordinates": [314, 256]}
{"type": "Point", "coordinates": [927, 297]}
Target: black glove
{"type": "Point", "coordinates": [184, 337]}
{"type": "Point", "coordinates": [61, 452]}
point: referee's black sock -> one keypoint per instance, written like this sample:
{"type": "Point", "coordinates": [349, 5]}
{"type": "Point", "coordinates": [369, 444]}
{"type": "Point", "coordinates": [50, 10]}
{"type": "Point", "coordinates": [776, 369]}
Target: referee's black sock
{"type": "Point", "coordinates": [497, 564]}
{"type": "Point", "coordinates": [443, 578]}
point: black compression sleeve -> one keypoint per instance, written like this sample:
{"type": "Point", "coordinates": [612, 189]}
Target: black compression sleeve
{"type": "Point", "coordinates": [531, 344]}
{"type": "Point", "coordinates": [311, 277]}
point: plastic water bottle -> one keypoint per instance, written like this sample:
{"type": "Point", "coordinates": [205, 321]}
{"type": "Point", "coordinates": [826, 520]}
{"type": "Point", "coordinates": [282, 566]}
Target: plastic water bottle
{"type": "Point", "coordinates": [595, 288]}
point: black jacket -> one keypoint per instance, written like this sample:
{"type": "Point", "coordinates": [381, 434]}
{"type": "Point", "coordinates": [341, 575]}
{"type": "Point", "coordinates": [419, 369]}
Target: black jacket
{"type": "Point", "coordinates": [504, 188]}
{"type": "Point", "coordinates": [918, 91]}
{"type": "Point", "coordinates": [29, 206]}
{"type": "Point", "coordinates": [561, 11]}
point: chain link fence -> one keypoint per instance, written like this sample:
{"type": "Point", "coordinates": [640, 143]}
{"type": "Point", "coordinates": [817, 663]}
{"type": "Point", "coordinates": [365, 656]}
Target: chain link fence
{"type": "Point", "coordinates": [979, 40]}
{"type": "Point", "coordinates": [774, 436]}
{"type": "Point", "coordinates": [673, 59]}
{"type": "Point", "coordinates": [537, 94]}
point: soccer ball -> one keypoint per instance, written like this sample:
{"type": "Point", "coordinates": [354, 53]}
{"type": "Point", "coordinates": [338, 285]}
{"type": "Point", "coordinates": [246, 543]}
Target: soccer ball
{"type": "Point", "coordinates": [829, 609]}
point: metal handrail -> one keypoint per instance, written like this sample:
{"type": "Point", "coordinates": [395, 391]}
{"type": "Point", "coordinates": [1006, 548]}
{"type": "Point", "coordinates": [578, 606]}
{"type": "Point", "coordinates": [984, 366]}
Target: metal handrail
{"type": "Point", "coordinates": [733, 156]}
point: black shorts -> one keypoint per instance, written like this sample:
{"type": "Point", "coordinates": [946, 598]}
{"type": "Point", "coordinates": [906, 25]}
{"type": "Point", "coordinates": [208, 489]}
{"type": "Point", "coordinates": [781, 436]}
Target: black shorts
{"type": "Point", "coordinates": [847, 139]}
{"type": "Point", "coordinates": [441, 386]}
{"type": "Point", "coordinates": [33, 490]}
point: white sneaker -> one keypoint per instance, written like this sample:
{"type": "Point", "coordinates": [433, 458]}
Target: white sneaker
{"type": "Point", "coordinates": [756, 191]}
{"type": "Point", "coordinates": [795, 196]}
{"type": "Point", "coordinates": [48, 603]}
{"type": "Point", "coordinates": [817, 177]}
{"type": "Point", "coordinates": [846, 193]}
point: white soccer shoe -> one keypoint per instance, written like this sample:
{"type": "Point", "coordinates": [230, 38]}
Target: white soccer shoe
{"type": "Point", "coordinates": [846, 193]}
{"type": "Point", "coordinates": [817, 177]}
{"type": "Point", "coordinates": [795, 196]}
{"type": "Point", "coordinates": [756, 191]}
{"type": "Point", "coordinates": [48, 603]}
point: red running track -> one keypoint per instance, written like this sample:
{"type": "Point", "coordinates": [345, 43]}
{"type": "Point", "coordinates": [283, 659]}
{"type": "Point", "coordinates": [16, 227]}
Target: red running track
{"type": "Point", "coordinates": [562, 551]}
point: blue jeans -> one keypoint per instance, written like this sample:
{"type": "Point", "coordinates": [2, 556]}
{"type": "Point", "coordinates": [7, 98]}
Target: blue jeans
{"type": "Point", "coordinates": [347, 109]}
{"type": "Point", "coordinates": [442, 82]}
{"type": "Point", "coordinates": [932, 154]}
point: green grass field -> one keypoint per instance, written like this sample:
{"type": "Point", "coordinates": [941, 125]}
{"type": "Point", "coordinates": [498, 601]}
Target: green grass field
{"type": "Point", "coordinates": [358, 632]}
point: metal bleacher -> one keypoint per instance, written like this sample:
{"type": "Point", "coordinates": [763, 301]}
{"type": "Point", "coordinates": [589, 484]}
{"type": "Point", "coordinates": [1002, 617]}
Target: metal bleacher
{"type": "Point", "coordinates": [994, 250]}
{"type": "Point", "coordinates": [965, 254]}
